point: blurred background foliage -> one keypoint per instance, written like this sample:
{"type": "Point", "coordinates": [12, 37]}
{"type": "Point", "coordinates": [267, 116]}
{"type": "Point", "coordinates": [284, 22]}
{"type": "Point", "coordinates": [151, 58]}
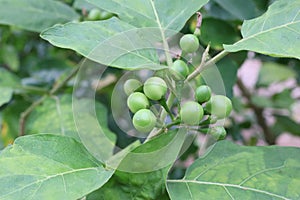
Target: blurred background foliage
{"type": "Point", "coordinates": [265, 90]}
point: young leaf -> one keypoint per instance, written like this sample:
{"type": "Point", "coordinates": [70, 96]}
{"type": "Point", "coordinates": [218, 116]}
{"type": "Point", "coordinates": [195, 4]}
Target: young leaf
{"type": "Point", "coordinates": [275, 33]}
{"type": "Point", "coordinates": [229, 171]}
{"type": "Point", "coordinates": [35, 15]}
{"type": "Point", "coordinates": [49, 167]}
{"type": "Point", "coordinates": [166, 14]}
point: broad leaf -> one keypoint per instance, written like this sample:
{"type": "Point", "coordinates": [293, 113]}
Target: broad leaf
{"type": "Point", "coordinates": [142, 172]}
{"type": "Point", "coordinates": [49, 167]}
{"type": "Point", "coordinates": [240, 9]}
{"type": "Point", "coordinates": [162, 14]}
{"type": "Point", "coordinates": [275, 33]}
{"type": "Point", "coordinates": [229, 171]}
{"type": "Point", "coordinates": [35, 15]}
{"type": "Point", "coordinates": [110, 42]}
{"type": "Point", "coordinates": [218, 32]}
{"type": "Point", "coordinates": [83, 4]}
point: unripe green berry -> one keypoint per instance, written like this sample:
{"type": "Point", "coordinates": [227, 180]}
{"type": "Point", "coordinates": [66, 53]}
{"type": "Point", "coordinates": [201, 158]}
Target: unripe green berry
{"type": "Point", "coordinates": [203, 93]}
{"type": "Point", "coordinates": [94, 14]}
{"type": "Point", "coordinates": [155, 88]}
{"type": "Point", "coordinates": [144, 120]}
{"type": "Point", "coordinates": [191, 113]}
{"type": "Point", "coordinates": [179, 70]}
{"type": "Point", "coordinates": [137, 101]}
{"type": "Point", "coordinates": [218, 132]}
{"type": "Point", "coordinates": [189, 43]}
{"type": "Point", "coordinates": [131, 85]}
{"type": "Point", "coordinates": [219, 106]}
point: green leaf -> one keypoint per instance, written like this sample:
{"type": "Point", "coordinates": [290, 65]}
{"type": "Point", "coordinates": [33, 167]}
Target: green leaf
{"type": "Point", "coordinates": [167, 14]}
{"type": "Point", "coordinates": [283, 99]}
{"type": "Point", "coordinates": [8, 79]}
{"type": "Point", "coordinates": [49, 167]}
{"type": "Point", "coordinates": [273, 72]}
{"type": "Point", "coordinates": [142, 171]}
{"type": "Point", "coordinates": [217, 32]}
{"type": "Point", "coordinates": [286, 124]}
{"type": "Point", "coordinates": [110, 42]}
{"type": "Point", "coordinates": [240, 9]}
{"type": "Point", "coordinates": [10, 57]}
{"type": "Point", "coordinates": [57, 115]}
{"type": "Point", "coordinates": [8, 84]}
{"type": "Point", "coordinates": [228, 70]}
{"type": "Point", "coordinates": [5, 95]}
{"type": "Point", "coordinates": [275, 33]}
{"type": "Point", "coordinates": [35, 15]}
{"type": "Point", "coordinates": [124, 185]}
{"type": "Point", "coordinates": [10, 117]}
{"type": "Point", "coordinates": [83, 4]}
{"type": "Point", "coordinates": [229, 171]}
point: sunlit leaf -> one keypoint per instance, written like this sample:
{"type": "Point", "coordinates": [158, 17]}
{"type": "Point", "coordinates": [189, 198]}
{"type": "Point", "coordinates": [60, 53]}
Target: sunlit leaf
{"type": "Point", "coordinates": [49, 167]}
{"type": "Point", "coordinates": [275, 33]}
{"type": "Point", "coordinates": [229, 171]}
{"type": "Point", "coordinates": [35, 15]}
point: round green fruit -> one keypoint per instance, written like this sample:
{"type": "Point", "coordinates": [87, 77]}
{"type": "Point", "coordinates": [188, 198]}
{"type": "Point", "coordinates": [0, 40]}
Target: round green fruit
{"type": "Point", "coordinates": [144, 120]}
{"type": "Point", "coordinates": [191, 113]}
{"type": "Point", "coordinates": [219, 106]}
{"type": "Point", "coordinates": [94, 14]}
{"type": "Point", "coordinates": [218, 132]}
{"type": "Point", "coordinates": [131, 85]}
{"type": "Point", "coordinates": [203, 93]}
{"type": "Point", "coordinates": [155, 88]}
{"type": "Point", "coordinates": [189, 43]}
{"type": "Point", "coordinates": [137, 101]}
{"type": "Point", "coordinates": [179, 70]}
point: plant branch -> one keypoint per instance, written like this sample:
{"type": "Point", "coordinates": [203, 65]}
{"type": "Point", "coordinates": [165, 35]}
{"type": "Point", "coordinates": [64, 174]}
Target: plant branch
{"type": "Point", "coordinates": [269, 136]}
{"type": "Point", "coordinates": [54, 89]}
{"type": "Point", "coordinates": [204, 65]}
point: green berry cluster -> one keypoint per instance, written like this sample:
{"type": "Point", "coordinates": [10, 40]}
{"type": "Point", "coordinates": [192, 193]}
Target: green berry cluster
{"type": "Point", "coordinates": [199, 113]}
{"type": "Point", "coordinates": [154, 88]}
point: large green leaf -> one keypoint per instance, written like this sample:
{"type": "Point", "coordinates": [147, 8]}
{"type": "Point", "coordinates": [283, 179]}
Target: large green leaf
{"type": "Point", "coordinates": [275, 33]}
{"type": "Point", "coordinates": [163, 14]}
{"type": "Point", "coordinates": [35, 15]}
{"type": "Point", "coordinates": [110, 42]}
{"type": "Point", "coordinates": [218, 32]}
{"type": "Point", "coordinates": [49, 167]}
{"type": "Point", "coordinates": [129, 42]}
{"type": "Point", "coordinates": [240, 9]}
{"type": "Point", "coordinates": [229, 171]}
{"type": "Point", "coordinates": [142, 171]}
